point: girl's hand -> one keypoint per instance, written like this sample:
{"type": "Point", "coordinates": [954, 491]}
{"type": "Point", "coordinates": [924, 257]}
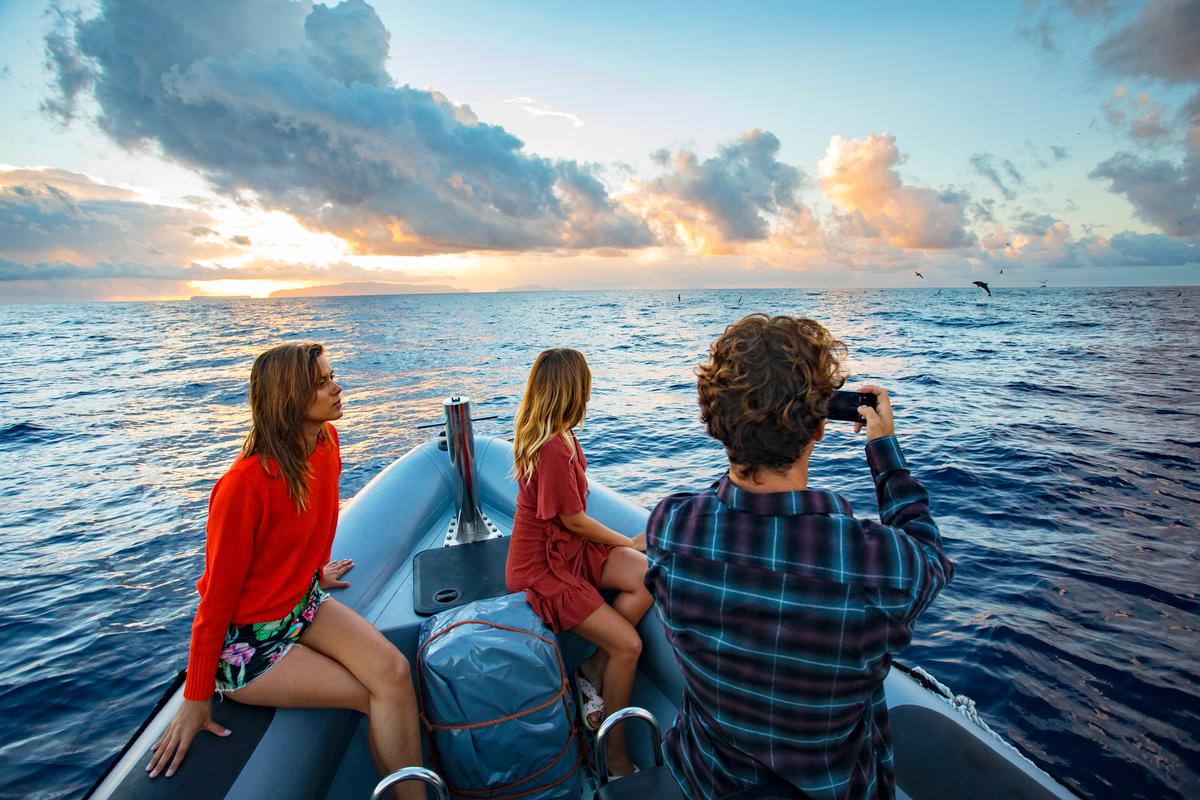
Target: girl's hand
{"type": "Point", "coordinates": [331, 574]}
{"type": "Point", "coordinates": [191, 718]}
{"type": "Point", "coordinates": [638, 542]}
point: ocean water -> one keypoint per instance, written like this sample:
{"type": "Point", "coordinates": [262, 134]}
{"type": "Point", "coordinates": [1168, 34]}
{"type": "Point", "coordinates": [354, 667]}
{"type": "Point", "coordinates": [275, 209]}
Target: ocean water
{"type": "Point", "coordinates": [1057, 430]}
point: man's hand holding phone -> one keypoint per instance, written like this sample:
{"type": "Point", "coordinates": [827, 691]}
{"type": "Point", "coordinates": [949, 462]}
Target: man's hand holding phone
{"type": "Point", "coordinates": [879, 419]}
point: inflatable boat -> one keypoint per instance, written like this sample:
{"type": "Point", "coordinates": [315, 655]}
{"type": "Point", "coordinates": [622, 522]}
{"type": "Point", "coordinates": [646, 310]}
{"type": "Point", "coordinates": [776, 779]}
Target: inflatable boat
{"type": "Point", "coordinates": [430, 533]}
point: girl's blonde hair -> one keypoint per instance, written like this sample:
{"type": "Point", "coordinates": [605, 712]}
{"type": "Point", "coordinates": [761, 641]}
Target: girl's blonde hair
{"type": "Point", "coordinates": [555, 400]}
{"type": "Point", "coordinates": [283, 381]}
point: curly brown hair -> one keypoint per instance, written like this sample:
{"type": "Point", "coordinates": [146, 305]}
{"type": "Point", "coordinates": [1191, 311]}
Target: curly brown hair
{"type": "Point", "coordinates": [766, 387]}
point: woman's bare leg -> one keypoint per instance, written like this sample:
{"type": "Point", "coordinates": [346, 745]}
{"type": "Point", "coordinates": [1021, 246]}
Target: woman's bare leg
{"type": "Point", "coordinates": [305, 679]}
{"type": "Point", "coordinates": [619, 640]}
{"type": "Point", "coordinates": [316, 675]}
{"type": "Point", "coordinates": [625, 570]}
{"type": "Point", "coordinates": [383, 670]}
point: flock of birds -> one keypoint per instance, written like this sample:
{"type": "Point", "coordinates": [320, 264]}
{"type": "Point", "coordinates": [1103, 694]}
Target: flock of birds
{"type": "Point", "coordinates": [984, 284]}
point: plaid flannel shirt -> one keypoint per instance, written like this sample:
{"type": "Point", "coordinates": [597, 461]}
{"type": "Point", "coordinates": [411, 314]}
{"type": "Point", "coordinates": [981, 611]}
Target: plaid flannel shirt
{"type": "Point", "coordinates": [783, 611]}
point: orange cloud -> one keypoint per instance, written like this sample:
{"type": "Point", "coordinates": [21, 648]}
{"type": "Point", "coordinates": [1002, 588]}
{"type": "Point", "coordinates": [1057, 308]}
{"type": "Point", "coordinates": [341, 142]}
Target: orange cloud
{"type": "Point", "coordinates": [859, 177]}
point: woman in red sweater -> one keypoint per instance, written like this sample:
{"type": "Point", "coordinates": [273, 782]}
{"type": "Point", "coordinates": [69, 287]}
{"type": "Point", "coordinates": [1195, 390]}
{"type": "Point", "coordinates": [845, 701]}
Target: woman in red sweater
{"type": "Point", "coordinates": [271, 522]}
{"type": "Point", "coordinates": [561, 557]}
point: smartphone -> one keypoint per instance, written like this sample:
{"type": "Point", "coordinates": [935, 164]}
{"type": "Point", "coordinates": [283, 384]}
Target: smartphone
{"type": "Point", "coordinates": [843, 406]}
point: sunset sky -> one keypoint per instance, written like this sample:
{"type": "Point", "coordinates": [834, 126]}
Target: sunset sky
{"type": "Point", "coordinates": [168, 149]}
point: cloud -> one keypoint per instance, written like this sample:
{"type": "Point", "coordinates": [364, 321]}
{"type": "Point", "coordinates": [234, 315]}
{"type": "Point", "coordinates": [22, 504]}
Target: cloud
{"type": "Point", "coordinates": [990, 167]}
{"type": "Point", "coordinates": [241, 241]}
{"type": "Point", "coordinates": [89, 290]}
{"type": "Point", "coordinates": [54, 215]}
{"type": "Point", "coordinates": [742, 194]}
{"type": "Point", "coordinates": [1043, 18]}
{"type": "Point", "coordinates": [289, 105]}
{"type": "Point", "coordinates": [76, 184]}
{"type": "Point", "coordinates": [1162, 43]}
{"type": "Point", "coordinates": [1037, 225]}
{"type": "Point", "coordinates": [1059, 153]}
{"type": "Point", "coordinates": [1159, 43]}
{"type": "Point", "coordinates": [1139, 117]}
{"type": "Point", "coordinates": [860, 178]}
{"type": "Point", "coordinates": [72, 74]}
{"type": "Point", "coordinates": [536, 110]}
{"type": "Point", "coordinates": [1162, 192]}
{"type": "Point", "coordinates": [1153, 250]}
{"type": "Point", "coordinates": [261, 269]}
{"type": "Point", "coordinates": [1045, 242]}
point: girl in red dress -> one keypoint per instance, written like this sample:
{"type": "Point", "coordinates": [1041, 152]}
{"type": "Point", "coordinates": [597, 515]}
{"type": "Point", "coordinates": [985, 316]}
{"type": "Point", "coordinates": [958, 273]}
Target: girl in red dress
{"type": "Point", "coordinates": [560, 556]}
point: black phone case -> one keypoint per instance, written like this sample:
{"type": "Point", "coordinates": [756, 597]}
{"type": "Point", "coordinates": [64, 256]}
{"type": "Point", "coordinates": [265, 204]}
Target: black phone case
{"type": "Point", "coordinates": [843, 406]}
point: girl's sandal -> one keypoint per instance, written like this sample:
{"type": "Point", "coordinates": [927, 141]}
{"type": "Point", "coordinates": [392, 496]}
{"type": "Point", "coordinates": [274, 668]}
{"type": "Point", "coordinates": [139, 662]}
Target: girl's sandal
{"type": "Point", "coordinates": [591, 705]}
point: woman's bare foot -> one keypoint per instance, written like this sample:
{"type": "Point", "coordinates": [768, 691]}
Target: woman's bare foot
{"type": "Point", "coordinates": [592, 668]}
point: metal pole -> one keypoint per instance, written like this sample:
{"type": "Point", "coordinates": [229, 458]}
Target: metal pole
{"type": "Point", "coordinates": [460, 445]}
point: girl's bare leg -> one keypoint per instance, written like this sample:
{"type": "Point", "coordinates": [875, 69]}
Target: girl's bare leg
{"type": "Point", "coordinates": [619, 640]}
{"type": "Point", "coordinates": [625, 570]}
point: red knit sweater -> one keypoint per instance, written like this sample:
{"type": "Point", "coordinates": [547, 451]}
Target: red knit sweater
{"type": "Point", "coordinates": [261, 554]}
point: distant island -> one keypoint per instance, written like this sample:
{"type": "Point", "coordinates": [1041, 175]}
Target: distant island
{"type": "Point", "coordinates": [367, 288]}
{"type": "Point", "coordinates": [529, 287]}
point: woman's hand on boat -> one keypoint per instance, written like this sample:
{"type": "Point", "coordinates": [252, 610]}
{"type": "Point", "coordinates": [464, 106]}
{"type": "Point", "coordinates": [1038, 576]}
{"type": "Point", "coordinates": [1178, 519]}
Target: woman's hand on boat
{"type": "Point", "coordinates": [331, 574]}
{"type": "Point", "coordinates": [191, 718]}
{"type": "Point", "coordinates": [638, 542]}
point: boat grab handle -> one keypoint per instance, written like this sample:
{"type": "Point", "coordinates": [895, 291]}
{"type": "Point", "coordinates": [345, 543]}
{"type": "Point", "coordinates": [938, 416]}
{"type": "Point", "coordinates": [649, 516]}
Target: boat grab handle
{"type": "Point", "coordinates": [613, 720]}
{"type": "Point", "coordinates": [443, 424]}
{"type": "Point", "coordinates": [426, 776]}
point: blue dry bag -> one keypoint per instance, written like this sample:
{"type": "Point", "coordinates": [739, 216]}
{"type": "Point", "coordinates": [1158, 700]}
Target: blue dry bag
{"type": "Point", "coordinates": [496, 703]}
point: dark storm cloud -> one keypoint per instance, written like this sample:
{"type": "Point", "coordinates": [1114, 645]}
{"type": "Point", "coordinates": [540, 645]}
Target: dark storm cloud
{"type": "Point", "coordinates": [291, 105]}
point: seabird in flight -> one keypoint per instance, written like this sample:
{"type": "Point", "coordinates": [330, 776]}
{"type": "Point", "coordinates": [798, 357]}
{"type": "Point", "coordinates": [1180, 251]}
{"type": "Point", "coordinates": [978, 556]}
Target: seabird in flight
{"type": "Point", "coordinates": [919, 275]}
{"type": "Point", "coordinates": [983, 286]}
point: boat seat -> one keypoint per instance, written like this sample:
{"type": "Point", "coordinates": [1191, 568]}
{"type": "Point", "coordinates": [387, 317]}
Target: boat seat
{"type": "Point", "coordinates": [448, 577]}
{"type": "Point", "coordinates": [213, 764]}
{"type": "Point", "coordinates": [657, 782]}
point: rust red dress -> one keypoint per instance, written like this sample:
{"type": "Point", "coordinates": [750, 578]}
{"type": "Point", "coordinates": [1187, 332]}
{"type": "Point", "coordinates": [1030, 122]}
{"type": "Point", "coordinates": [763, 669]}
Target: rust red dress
{"type": "Point", "coordinates": [558, 570]}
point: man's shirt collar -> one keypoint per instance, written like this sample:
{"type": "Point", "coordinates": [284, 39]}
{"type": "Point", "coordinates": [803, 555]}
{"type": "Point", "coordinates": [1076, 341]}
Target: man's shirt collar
{"type": "Point", "coordinates": [780, 504]}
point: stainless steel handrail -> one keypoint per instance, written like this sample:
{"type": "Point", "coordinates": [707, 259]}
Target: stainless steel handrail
{"type": "Point", "coordinates": [615, 719]}
{"type": "Point", "coordinates": [426, 776]}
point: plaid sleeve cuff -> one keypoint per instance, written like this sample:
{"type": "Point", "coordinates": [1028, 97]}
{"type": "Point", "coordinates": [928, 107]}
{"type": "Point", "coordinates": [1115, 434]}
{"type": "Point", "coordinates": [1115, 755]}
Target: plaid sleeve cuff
{"type": "Point", "coordinates": [884, 456]}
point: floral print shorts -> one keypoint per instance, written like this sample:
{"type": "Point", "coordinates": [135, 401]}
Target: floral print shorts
{"type": "Point", "coordinates": [251, 650]}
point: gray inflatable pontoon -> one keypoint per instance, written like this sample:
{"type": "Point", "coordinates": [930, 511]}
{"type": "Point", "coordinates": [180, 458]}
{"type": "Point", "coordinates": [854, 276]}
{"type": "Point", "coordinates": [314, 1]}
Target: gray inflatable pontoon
{"type": "Point", "coordinates": [456, 490]}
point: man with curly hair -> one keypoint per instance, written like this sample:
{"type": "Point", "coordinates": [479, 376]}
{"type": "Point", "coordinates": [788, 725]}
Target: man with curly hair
{"type": "Point", "coordinates": [783, 609]}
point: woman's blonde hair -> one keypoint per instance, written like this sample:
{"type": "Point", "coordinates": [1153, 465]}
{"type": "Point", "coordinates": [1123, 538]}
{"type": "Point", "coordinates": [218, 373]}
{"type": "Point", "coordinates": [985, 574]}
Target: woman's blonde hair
{"type": "Point", "coordinates": [283, 381]}
{"type": "Point", "coordinates": [555, 400]}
